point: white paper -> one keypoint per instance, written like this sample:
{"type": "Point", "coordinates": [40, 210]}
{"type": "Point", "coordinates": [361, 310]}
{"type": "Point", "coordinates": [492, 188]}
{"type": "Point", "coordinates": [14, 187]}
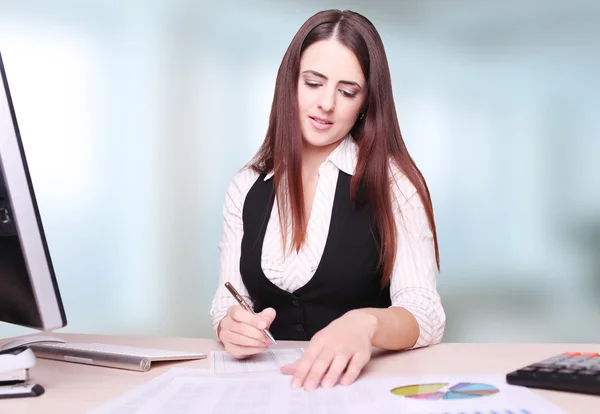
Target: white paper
{"type": "Point", "coordinates": [256, 395]}
{"type": "Point", "coordinates": [268, 361]}
{"type": "Point", "coordinates": [134, 400]}
{"type": "Point", "coordinates": [483, 394]}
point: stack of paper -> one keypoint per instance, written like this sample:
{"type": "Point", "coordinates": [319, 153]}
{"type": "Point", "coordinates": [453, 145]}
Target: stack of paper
{"type": "Point", "coordinates": [266, 362]}
{"type": "Point", "coordinates": [181, 391]}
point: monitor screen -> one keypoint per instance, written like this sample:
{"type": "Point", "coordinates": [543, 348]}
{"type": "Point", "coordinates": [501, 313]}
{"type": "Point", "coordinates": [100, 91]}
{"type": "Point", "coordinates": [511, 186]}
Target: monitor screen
{"type": "Point", "coordinates": [29, 294]}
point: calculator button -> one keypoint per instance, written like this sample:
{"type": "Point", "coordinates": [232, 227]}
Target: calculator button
{"type": "Point", "coordinates": [585, 376]}
{"type": "Point", "coordinates": [563, 364]}
{"type": "Point", "coordinates": [566, 371]}
{"type": "Point", "coordinates": [551, 361]}
{"type": "Point", "coordinates": [546, 370]}
{"type": "Point", "coordinates": [581, 367]}
{"type": "Point", "coordinates": [579, 362]}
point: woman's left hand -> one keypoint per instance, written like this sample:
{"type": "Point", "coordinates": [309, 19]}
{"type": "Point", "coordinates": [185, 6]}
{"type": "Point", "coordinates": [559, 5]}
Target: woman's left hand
{"type": "Point", "coordinates": [345, 344]}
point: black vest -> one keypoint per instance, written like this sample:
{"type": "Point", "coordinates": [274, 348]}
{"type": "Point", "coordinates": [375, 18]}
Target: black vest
{"type": "Point", "coordinates": [347, 276]}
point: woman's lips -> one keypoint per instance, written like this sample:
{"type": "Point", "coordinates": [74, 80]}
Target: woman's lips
{"type": "Point", "coordinates": [320, 123]}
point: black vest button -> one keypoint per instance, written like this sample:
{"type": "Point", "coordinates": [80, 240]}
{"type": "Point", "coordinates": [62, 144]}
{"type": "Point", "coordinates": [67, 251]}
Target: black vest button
{"type": "Point", "coordinates": [299, 328]}
{"type": "Point", "coordinates": [296, 303]}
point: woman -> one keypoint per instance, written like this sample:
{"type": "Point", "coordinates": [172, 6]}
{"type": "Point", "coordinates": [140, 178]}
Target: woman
{"type": "Point", "coordinates": [329, 231]}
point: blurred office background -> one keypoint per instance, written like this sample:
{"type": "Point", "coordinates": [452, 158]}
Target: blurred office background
{"type": "Point", "coordinates": [136, 114]}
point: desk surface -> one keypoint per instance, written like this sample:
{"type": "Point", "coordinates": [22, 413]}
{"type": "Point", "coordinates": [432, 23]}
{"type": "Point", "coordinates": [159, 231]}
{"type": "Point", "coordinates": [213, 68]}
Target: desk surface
{"type": "Point", "coordinates": [75, 388]}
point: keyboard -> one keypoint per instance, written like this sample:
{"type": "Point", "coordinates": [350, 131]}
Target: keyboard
{"type": "Point", "coordinates": [108, 355]}
{"type": "Point", "coordinates": [570, 371]}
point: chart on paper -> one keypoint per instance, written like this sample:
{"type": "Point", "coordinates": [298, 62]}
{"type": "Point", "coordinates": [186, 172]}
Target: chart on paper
{"type": "Point", "coordinates": [455, 394]}
{"type": "Point", "coordinates": [268, 361]}
{"type": "Point", "coordinates": [445, 391]}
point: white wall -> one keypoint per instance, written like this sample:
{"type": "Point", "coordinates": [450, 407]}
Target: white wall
{"type": "Point", "coordinates": [135, 115]}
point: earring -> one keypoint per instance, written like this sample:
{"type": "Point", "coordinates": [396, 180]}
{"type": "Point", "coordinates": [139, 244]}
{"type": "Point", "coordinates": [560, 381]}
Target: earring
{"type": "Point", "coordinates": [361, 116]}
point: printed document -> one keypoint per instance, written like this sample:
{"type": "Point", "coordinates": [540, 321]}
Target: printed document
{"type": "Point", "coordinates": [267, 361]}
{"type": "Point", "coordinates": [467, 394]}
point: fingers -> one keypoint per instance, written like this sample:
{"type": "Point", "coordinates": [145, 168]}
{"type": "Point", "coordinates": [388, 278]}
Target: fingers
{"type": "Point", "coordinates": [241, 352]}
{"type": "Point", "coordinates": [228, 325]}
{"type": "Point", "coordinates": [241, 315]}
{"type": "Point", "coordinates": [304, 364]}
{"type": "Point", "coordinates": [247, 330]}
{"type": "Point", "coordinates": [234, 338]}
{"type": "Point", "coordinates": [259, 321]}
{"type": "Point", "coordinates": [326, 368]}
{"type": "Point", "coordinates": [268, 315]}
{"type": "Point", "coordinates": [289, 369]}
{"type": "Point", "coordinates": [337, 367]}
{"type": "Point", "coordinates": [354, 368]}
{"type": "Point", "coordinates": [241, 332]}
{"type": "Point", "coordinates": [318, 369]}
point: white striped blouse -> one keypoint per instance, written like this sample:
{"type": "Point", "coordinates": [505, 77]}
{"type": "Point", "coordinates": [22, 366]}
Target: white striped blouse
{"type": "Point", "coordinates": [413, 280]}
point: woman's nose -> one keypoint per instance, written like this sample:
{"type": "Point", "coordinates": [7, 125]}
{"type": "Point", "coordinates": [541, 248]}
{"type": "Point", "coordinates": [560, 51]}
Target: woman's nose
{"type": "Point", "coordinates": [327, 100]}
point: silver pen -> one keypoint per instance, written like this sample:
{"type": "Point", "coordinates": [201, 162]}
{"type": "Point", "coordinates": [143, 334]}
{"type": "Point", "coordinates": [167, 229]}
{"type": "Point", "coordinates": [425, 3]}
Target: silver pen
{"type": "Point", "coordinates": [245, 305]}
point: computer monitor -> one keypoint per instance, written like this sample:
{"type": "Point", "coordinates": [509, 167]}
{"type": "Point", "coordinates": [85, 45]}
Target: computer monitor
{"type": "Point", "coordinates": [29, 294]}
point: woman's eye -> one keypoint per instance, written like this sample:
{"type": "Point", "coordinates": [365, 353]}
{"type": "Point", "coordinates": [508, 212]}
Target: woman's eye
{"type": "Point", "coordinates": [312, 84]}
{"type": "Point", "coordinates": [347, 94]}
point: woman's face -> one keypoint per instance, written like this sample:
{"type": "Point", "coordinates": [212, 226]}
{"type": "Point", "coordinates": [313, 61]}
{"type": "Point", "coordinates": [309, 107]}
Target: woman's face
{"type": "Point", "coordinates": [331, 92]}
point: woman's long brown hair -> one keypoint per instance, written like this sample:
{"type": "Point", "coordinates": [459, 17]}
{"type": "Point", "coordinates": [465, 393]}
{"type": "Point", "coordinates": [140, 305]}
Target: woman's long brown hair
{"type": "Point", "coordinates": [377, 134]}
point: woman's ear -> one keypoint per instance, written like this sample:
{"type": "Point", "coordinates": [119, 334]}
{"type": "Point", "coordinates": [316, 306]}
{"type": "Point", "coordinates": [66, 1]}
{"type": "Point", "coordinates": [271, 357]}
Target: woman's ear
{"type": "Point", "coordinates": [363, 110]}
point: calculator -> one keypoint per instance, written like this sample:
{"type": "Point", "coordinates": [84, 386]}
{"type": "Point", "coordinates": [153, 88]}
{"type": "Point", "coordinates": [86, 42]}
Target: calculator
{"type": "Point", "coordinates": [570, 371]}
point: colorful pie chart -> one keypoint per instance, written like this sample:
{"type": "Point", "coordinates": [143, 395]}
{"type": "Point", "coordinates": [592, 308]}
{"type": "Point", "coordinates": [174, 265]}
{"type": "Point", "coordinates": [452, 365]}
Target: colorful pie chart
{"type": "Point", "coordinates": [443, 391]}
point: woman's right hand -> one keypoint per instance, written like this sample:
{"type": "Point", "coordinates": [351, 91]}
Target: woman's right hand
{"type": "Point", "coordinates": [241, 331]}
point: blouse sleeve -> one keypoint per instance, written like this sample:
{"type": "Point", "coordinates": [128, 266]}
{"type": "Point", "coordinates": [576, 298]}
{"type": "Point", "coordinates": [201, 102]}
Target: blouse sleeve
{"type": "Point", "coordinates": [230, 246]}
{"type": "Point", "coordinates": [413, 279]}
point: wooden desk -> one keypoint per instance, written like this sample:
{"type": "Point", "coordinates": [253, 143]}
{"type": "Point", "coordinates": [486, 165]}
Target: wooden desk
{"type": "Point", "coordinates": [75, 388]}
